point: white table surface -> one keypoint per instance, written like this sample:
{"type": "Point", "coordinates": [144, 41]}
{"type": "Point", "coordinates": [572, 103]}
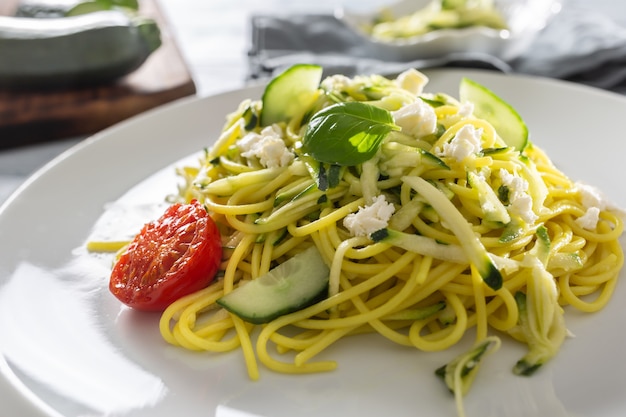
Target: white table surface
{"type": "Point", "coordinates": [213, 36]}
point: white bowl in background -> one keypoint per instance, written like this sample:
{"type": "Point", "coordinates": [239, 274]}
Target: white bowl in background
{"type": "Point", "coordinates": [524, 18]}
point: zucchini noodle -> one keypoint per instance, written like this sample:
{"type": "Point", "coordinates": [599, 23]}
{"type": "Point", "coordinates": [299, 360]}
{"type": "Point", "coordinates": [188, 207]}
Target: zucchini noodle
{"type": "Point", "coordinates": [426, 301]}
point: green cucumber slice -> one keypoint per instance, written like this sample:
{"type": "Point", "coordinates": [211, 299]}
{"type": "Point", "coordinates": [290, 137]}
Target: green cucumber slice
{"type": "Point", "coordinates": [290, 93]}
{"type": "Point", "coordinates": [504, 118]}
{"type": "Point", "coordinates": [293, 285]}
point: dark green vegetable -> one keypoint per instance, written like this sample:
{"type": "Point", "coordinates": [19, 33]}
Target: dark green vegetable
{"type": "Point", "coordinates": [326, 176]}
{"type": "Point", "coordinates": [513, 230]}
{"type": "Point", "coordinates": [530, 363]}
{"type": "Point", "coordinates": [81, 50]}
{"type": "Point", "coordinates": [468, 362]}
{"type": "Point", "coordinates": [251, 117]}
{"type": "Point", "coordinates": [99, 5]}
{"type": "Point", "coordinates": [46, 9]}
{"type": "Point", "coordinates": [347, 133]}
{"type": "Point", "coordinates": [420, 313]}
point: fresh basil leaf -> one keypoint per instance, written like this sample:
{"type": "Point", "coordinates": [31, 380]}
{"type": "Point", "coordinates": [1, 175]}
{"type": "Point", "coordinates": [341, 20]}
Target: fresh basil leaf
{"type": "Point", "coordinates": [347, 133]}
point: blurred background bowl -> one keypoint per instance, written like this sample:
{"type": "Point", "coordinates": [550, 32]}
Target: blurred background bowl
{"type": "Point", "coordinates": [524, 20]}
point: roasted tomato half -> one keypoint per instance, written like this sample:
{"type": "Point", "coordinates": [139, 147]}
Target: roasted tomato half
{"type": "Point", "coordinates": [171, 257]}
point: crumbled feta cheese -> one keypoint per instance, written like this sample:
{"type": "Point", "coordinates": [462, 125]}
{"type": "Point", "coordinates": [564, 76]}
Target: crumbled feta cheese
{"type": "Point", "coordinates": [591, 196]}
{"type": "Point", "coordinates": [417, 119]}
{"type": "Point", "coordinates": [466, 109]}
{"type": "Point", "coordinates": [336, 82]}
{"type": "Point", "coordinates": [412, 81]}
{"type": "Point", "coordinates": [594, 202]}
{"type": "Point", "coordinates": [515, 183]}
{"type": "Point", "coordinates": [268, 146]}
{"type": "Point", "coordinates": [466, 142]}
{"type": "Point", "coordinates": [590, 219]}
{"type": "Point", "coordinates": [370, 218]}
{"type": "Point", "coordinates": [520, 202]}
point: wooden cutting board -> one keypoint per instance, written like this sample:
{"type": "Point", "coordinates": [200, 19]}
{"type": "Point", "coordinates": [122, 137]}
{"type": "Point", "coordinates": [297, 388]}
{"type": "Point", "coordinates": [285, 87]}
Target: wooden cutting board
{"type": "Point", "coordinates": [28, 117]}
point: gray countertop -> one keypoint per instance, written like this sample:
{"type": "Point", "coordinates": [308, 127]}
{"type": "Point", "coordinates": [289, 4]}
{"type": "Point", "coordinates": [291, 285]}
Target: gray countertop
{"type": "Point", "coordinates": [213, 37]}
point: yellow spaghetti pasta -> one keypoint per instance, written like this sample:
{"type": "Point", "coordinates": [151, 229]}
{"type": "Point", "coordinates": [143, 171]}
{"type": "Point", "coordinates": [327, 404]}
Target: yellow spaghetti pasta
{"type": "Point", "coordinates": [551, 246]}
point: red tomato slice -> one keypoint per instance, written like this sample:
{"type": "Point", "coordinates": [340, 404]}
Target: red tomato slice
{"type": "Point", "coordinates": [171, 257]}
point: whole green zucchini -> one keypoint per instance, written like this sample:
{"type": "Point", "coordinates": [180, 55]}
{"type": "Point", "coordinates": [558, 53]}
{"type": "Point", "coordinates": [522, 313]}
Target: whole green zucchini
{"type": "Point", "coordinates": [81, 50]}
{"type": "Point", "coordinates": [46, 9]}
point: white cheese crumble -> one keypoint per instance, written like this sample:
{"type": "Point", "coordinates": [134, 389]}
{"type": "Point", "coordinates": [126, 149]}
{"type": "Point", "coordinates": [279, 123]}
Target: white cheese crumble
{"type": "Point", "coordinates": [594, 202]}
{"type": "Point", "coordinates": [412, 81]}
{"type": "Point", "coordinates": [370, 218]}
{"type": "Point", "coordinates": [520, 202]}
{"type": "Point", "coordinates": [466, 109]}
{"type": "Point", "coordinates": [590, 219]}
{"type": "Point", "coordinates": [416, 119]}
{"type": "Point", "coordinates": [268, 146]}
{"type": "Point", "coordinates": [336, 82]}
{"type": "Point", "coordinates": [465, 143]}
{"type": "Point", "coordinates": [591, 196]}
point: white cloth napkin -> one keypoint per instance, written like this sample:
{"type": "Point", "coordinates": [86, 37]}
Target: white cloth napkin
{"type": "Point", "coordinates": [579, 44]}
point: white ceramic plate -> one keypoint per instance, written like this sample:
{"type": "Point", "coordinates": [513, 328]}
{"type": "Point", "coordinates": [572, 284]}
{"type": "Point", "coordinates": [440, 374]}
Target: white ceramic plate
{"type": "Point", "coordinates": [524, 18]}
{"type": "Point", "coordinates": [72, 350]}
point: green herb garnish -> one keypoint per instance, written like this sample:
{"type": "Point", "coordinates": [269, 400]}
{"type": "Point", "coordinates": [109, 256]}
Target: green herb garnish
{"type": "Point", "coordinates": [347, 134]}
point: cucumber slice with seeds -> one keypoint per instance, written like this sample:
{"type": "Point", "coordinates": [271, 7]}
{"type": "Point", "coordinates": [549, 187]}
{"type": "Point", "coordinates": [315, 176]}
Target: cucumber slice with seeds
{"type": "Point", "coordinates": [504, 118]}
{"type": "Point", "coordinates": [293, 285]}
{"type": "Point", "coordinates": [290, 93]}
